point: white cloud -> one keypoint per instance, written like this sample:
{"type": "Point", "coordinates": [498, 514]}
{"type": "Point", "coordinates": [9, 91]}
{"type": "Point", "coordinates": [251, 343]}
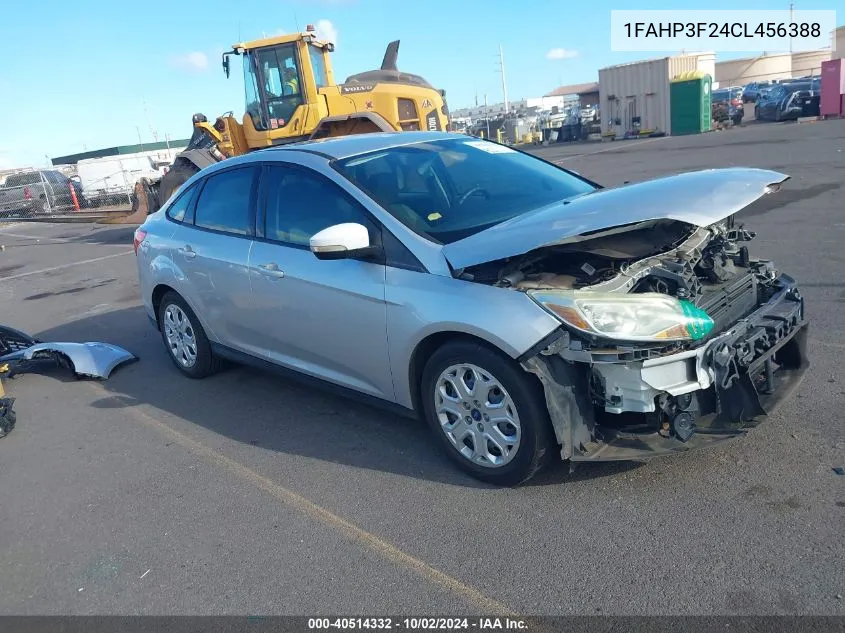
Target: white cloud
{"type": "Point", "coordinates": [561, 53]}
{"type": "Point", "coordinates": [195, 61]}
{"type": "Point", "coordinates": [326, 31]}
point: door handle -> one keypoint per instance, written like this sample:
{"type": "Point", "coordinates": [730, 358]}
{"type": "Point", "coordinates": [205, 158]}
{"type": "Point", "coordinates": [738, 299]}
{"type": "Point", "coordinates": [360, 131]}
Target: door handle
{"type": "Point", "coordinates": [187, 252]}
{"type": "Point", "coordinates": [271, 270]}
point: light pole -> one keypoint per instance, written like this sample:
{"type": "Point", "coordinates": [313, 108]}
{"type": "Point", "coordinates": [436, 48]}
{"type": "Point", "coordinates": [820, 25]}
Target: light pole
{"type": "Point", "coordinates": [791, 20]}
{"type": "Point", "coordinates": [140, 142]}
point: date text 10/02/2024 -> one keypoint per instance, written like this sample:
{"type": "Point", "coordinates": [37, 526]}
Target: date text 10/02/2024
{"type": "Point", "coordinates": [418, 624]}
{"type": "Point", "coordinates": [719, 30]}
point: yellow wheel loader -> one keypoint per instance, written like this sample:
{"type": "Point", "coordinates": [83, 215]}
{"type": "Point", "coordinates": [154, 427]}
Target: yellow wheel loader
{"type": "Point", "coordinates": [291, 96]}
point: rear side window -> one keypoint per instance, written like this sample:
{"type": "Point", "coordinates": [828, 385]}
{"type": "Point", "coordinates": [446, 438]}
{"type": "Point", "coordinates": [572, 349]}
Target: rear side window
{"type": "Point", "coordinates": [226, 201]}
{"type": "Point", "coordinates": [180, 206]}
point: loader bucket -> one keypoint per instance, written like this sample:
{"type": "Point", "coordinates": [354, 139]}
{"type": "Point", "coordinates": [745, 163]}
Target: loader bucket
{"type": "Point", "coordinates": [141, 204]}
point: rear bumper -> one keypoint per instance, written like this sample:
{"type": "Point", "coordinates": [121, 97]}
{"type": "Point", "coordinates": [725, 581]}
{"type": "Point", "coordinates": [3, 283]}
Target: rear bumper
{"type": "Point", "coordinates": [704, 395]}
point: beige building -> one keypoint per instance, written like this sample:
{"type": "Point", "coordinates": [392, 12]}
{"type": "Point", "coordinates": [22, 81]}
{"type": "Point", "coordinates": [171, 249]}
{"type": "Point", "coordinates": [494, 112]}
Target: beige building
{"type": "Point", "coordinates": [738, 72]}
{"type": "Point", "coordinates": [635, 97]}
{"type": "Point", "coordinates": [837, 43]}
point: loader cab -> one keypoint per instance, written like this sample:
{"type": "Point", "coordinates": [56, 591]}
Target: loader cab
{"type": "Point", "coordinates": [273, 84]}
{"type": "Point", "coordinates": [281, 74]}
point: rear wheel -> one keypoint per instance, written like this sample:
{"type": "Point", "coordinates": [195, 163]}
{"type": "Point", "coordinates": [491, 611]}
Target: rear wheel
{"type": "Point", "coordinates": [185, 339]}
{"type": "Point", "coordinates": [486, 413]}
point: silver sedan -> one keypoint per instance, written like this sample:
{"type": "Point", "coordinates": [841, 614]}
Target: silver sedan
{"type": "Point", "coordinates": [519, 308]}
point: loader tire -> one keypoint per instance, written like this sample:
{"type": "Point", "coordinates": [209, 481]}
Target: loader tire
{"type": "Point", "coordinates": [178, 174]}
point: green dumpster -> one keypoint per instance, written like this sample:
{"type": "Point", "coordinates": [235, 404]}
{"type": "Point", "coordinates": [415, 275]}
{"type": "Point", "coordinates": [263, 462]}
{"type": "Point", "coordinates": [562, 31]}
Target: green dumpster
{"type": "Point", "coordinates": [689, 102]}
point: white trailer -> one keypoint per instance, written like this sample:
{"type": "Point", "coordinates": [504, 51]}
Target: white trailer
{"type": "Point", "coordinates": [112, 178]}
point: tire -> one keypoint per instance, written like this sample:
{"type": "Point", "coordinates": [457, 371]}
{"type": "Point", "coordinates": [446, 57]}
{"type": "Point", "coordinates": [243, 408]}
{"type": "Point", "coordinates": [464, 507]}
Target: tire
{"type": "Point", "coordinates": [178, 174]}
{"type": "Point", "coordinates": [194, 358]}
{"type": "Point", "coordinates": [530, 429]}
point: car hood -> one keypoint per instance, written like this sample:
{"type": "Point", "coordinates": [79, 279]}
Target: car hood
{"type": "Point", "coordinates": [700, 198]}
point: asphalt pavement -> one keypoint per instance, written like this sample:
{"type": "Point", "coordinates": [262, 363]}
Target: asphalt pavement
{"type": "Point", "coordinates": [246, 493]}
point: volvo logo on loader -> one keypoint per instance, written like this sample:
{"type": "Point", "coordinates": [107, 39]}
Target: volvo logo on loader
{"type": "Point", "coordinates": [357, 88]}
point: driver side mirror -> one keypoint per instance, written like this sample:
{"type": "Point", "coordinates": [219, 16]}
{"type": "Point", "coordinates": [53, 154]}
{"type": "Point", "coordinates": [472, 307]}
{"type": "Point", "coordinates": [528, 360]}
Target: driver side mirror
{"type": "Point", "coordinates": [341, 241]}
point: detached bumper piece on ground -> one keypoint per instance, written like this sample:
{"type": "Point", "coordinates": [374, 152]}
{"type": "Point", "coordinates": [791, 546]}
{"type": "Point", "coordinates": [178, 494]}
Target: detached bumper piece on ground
{"type": "Point", "coordinates": [20, 352]}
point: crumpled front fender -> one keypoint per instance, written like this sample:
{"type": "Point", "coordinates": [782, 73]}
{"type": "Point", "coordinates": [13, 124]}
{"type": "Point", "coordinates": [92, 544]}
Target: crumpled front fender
{"type": "Point", "coordinates": [96, 360]}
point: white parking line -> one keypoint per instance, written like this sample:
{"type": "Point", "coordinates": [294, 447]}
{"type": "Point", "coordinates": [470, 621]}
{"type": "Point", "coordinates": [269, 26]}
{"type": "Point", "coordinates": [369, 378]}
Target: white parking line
{"type": "Point", "coordinates": [51, 269]}
{"type": "Point", "coordinates": [35, 237]}
{"type": "Point", "coordinates": [607, 149]}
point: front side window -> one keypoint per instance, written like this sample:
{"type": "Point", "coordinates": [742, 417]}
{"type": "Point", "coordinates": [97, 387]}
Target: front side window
{"type": "Point", "coordinates": [280, 73]}
{"type": "Point", "coordinates": [301, 204]}
{"type": "Point", "coordinates": [253, 97]}
{"type": "Point", "coordinates": [452, 188]}
{"type": "Point", "coordinates": [225, 202]}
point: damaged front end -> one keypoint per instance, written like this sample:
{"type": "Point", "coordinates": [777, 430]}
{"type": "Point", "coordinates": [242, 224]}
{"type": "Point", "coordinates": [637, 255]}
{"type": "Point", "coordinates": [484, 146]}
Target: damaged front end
{"type": "Point", "coordinates": [672, 336]}
{"type": "Point", "coordinates": [623, 401]}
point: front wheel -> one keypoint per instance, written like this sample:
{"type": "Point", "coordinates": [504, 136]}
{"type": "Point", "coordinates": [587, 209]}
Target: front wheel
{"type": "Point", "coordinates": [486, 413]}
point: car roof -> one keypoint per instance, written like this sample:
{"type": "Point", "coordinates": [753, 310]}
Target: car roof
{"type": "Point", "coordinates": [356, 144]}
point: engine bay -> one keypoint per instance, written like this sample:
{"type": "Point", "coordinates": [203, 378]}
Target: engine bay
{"type": "Point", "coordinates": [709, 266]}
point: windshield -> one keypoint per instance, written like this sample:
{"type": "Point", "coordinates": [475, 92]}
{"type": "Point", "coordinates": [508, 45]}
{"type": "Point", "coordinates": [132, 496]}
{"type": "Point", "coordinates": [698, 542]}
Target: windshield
{"type": "Point", "coordinates": [27, 178]}
{"type": "Point", "coordinates": [452, 188]}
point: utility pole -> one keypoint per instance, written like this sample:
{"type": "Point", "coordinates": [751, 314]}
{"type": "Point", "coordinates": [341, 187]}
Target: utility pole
{"type": "Point", "coordinates": [140, 142]}
{"type": "Point", "coordinates": [791, 20]}
{"type": "Point", "coordinates": [149, 121]}
{"type": "Point", "coordinates": [504, 80]}
{"type": "Point", "coordinates": [487, 116]}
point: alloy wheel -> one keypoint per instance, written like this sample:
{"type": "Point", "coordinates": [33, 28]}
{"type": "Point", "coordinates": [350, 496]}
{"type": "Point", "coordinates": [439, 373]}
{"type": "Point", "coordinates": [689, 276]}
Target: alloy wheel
{"type": "Point", "coordinates": [180, 336]}
{"type": "Point", "coordinates": [477, 415]}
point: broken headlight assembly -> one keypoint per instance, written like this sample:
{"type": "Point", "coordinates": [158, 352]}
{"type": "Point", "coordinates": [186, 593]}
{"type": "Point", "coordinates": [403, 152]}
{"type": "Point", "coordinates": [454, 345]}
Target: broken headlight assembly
{"type": "Point", "coordinates": [646, 317]}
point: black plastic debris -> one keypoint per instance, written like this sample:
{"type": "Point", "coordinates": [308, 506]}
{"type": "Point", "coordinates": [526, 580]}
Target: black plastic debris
{"type": "Point", "coordinates": [12, 340]}
{"type": "Point", "coordinates": [7, 416]}
{"type": "Point", "coordinates": [839, 470]}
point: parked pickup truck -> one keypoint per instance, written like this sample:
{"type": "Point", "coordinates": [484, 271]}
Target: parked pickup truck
{"type": "Point", "coordinates": [37, 193]}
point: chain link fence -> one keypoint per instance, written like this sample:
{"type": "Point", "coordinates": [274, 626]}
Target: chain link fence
{"type": "Point", "coordinates": [48, 193]}
{"type": "Point", "coordinates": [93, 187]}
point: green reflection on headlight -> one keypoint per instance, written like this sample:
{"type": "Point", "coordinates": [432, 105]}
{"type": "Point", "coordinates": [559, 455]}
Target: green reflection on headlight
{"type": "Point", "coordinates": [699, 322]}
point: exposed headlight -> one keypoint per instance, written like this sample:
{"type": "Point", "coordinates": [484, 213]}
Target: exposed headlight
{"type": "Point", "coordinates": [630, 317]}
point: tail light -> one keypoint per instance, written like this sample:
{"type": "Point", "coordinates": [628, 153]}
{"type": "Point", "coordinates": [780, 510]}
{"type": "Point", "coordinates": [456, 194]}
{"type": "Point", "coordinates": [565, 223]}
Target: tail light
{"type": "Point", "coordinates": [140, 235]}
{"type": "Point", "coordinates": [27, 194]}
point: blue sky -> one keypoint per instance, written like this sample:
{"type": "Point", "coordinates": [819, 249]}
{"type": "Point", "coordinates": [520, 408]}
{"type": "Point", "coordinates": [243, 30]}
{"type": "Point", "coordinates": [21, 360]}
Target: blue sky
{"type": "Point", "coordinates": [84, 73]}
